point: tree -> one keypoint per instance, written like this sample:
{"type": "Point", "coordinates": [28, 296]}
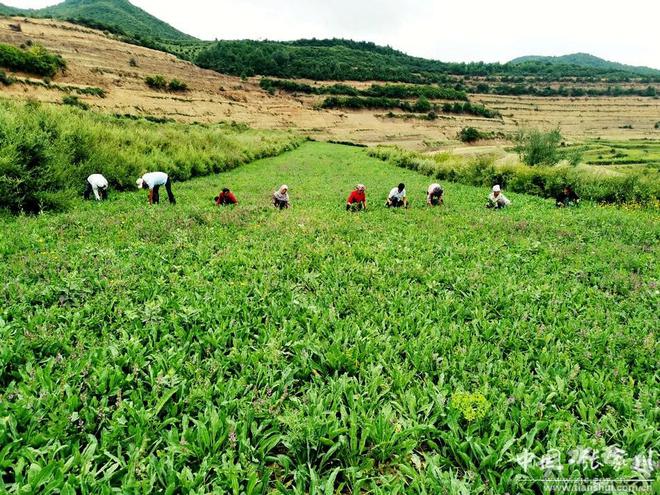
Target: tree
{"type": "Point", "coordinates": [536, 147]}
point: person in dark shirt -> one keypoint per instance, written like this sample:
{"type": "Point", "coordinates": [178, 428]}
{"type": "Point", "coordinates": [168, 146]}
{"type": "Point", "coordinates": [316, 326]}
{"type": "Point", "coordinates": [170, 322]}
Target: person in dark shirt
{"type": "Point", "coordinates": [226, 198]}
{"type": "Point", "coordinates": [358, 199]}
{"type": "Point", "coordinates": [281, 198]}
{"type": "Point", "coordinates": [567, 198]}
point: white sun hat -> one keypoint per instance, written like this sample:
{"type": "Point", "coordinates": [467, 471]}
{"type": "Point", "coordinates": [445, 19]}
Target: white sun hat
{"type": "Point", "coordinates": [497, 188]}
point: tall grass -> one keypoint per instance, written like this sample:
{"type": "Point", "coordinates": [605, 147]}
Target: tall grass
{"type": "Point", "coordinates": [631, 187]}
{"type": "Point", "coordinates": [46, 152]}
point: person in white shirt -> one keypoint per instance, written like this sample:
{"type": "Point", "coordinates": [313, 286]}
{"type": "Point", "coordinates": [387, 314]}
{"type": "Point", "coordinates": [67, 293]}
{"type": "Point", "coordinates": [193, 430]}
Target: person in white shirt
{"type": "Point", "coordinates": [153, 181]}
{"type": "Point", "coordinates": [397, 197]}
{"type": "Point", "coordinates": [98, 185]}
{"type": "Point", "coordinates": [434, 195]}
{"type": "Point", "coordinates": [497, 199]}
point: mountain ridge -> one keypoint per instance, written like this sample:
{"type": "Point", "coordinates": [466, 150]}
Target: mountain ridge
{"type": "Point", "coordinates": [319, 59]}
{"type": "Point", "coordinates": [586, 60]}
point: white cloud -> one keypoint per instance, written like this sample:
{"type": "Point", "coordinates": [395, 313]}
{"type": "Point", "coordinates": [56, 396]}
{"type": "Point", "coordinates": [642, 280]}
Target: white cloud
{"type": "Point", "coordinates": [488, 30]}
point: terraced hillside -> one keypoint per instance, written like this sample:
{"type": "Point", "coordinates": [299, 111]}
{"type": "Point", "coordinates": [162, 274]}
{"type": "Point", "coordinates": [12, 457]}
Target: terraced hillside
{"type": "Point", "coordinates": [96, 59]}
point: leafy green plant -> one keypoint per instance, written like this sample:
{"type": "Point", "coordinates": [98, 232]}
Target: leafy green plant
{"type": "Point", "coordinates": [472, 406]}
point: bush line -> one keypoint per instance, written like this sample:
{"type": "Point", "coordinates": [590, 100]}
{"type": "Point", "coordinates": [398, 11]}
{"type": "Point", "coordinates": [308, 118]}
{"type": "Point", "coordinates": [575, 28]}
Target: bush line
{"type": "Point", "coordinates": [47, 151]}
{"type": "Point", "coordinates": [541, 181]}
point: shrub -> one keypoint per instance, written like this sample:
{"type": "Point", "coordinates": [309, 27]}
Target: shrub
{"type": "Point", "coordinates": [156, 82]}
{"type": "Point", "coordinates": [5, 79]}
{"type": "Point", "coordinates": [91, 91]}
{"type": "Point", "coordinates": [159, 83]}
{"type": "Point", "coordinates": [391, 91]}
{"type": "Point", "coordinates": [657, 125]}
{"type": "Point", "coordinates": [35, 60]}
{"type": "Point", "coordinates": [74, 101]}
{"type": "Point", "coordinates": [176, 85]}
{"type": "Point", "coordinates": [542, 181]}
{"type": "Point", "coordinates": [536, 147]}
{"type": "Point", "coordinates": [469, 135]}
{"type": "Point", "coordinates": [422, 105]}
{"type": "Point", "coordinates": [133, 62]}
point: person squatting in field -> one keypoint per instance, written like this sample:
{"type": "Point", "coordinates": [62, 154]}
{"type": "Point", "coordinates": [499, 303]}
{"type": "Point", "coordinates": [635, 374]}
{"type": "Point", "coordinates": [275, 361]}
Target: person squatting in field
{"type": "Point", "coordinates": [226, 197]}
{"type": "Point", "coordinates": [435, 195]}
{"type": "Point", "coordinates": [397, 197]}
{"type": "Point", "coordinates": [497, 200]}
{"type": "Point", "coordinates": [97, 184]}
{"type": "Point", "coordinates": [281, 198]}
{"type": "Point", "coordinates": [567, 198]}
{"type": "Point", "coordinates": [358, 199]}
{"type": "Point", "coordinates": [153, 181]}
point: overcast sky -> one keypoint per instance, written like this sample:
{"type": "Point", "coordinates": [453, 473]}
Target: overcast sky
{"type": "Point", "coordinates": [449, 30]}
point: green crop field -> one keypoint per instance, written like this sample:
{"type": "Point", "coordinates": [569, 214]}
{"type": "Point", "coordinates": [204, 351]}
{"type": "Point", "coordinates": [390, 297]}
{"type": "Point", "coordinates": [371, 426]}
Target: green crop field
{"type": "Point", "coordinates": [192, 349]}
{"type": "Point", "coordinates": [623, 154]}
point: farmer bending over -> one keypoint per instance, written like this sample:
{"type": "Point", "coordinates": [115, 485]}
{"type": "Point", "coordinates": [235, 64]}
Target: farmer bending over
{"type": "Point", "coordinates": [281, 198]}
{"type": "Point", "coordinates": [397, 197]}
{"type": "Point", "coordinates": [153, 181]}
{"type": "Point", "coordinates": [97, 184]}
{"type": "Point", "coordinates": [434, 195]}
{"type": "Point", "coordinates": [567, 198]}
{"type": "Point", "coordinates": [358, 199]}
{"type": "Point", "coordinates": [496, 199]}
{"type": "Point", "coordinates": [226, 197]}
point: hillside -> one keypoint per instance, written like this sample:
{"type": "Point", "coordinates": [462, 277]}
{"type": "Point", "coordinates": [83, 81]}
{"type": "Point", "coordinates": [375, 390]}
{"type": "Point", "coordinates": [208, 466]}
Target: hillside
{"type": "Point", "coordinates": [119, 15]}
{"type": "Point", "coordinates": [97, 60]}
{"type": "Point", "coordinates": [587, 60]}
{"type": "Point", "coordinates": [327, 59]}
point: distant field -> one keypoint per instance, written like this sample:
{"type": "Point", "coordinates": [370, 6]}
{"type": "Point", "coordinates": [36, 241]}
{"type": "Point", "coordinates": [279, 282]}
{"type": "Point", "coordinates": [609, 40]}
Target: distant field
{"type": "Point", "coordinates": [623, 153]}
{"type": "Point", "coordinates": [248, 350]}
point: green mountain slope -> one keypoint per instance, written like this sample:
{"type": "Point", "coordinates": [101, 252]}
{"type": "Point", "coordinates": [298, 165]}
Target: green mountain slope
{"type": "Point", "coordinates": [119, 14]}
{"type": "Point", "coordinates": [329, 59]}
{"type": "Point", "coordinates": [337, 59]}
{"type": "Point", "coordinates": [587, 60]}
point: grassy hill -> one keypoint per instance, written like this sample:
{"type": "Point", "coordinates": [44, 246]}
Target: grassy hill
{"type": "Point", "coordinates": [587, 60]}
{"type": "Point", "coordinates": [119, 15]}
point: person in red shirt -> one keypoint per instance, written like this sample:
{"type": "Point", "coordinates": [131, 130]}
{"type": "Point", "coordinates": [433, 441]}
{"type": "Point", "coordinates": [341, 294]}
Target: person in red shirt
{"type": "Point", "coordinates": [226, 198]}
{"type": "Point", "coordinates": [358, 199]}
